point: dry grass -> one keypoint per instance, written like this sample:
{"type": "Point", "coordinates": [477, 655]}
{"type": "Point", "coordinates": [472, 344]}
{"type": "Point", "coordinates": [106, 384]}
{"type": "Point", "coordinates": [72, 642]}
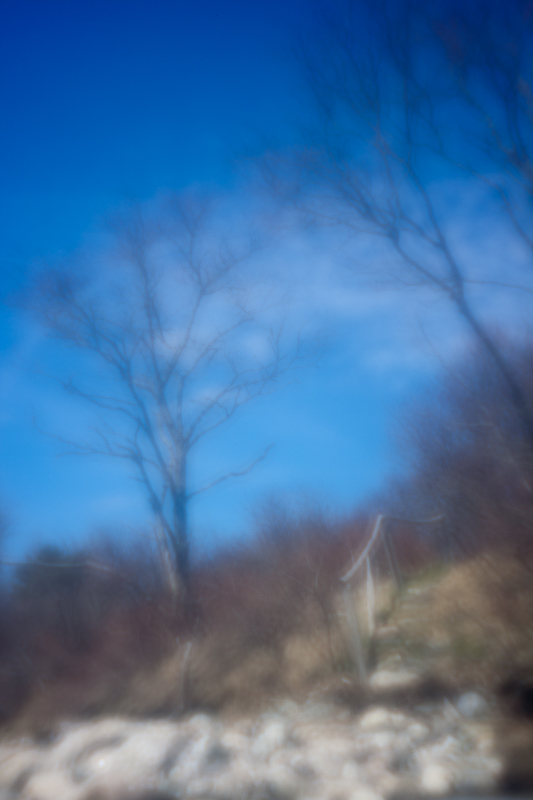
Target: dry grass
{"type": "Point", "coordinates": [485, 607]}
{"type": "Point", "coordinates": [270, 622]}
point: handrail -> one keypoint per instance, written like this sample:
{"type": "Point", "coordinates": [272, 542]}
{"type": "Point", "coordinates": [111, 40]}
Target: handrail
{"type": "Point", "coordinates": [366, 551]}
{"type": "Point", "coordinates": [351, 615]}
{"type": "Point", "coordinates": [375, 534]}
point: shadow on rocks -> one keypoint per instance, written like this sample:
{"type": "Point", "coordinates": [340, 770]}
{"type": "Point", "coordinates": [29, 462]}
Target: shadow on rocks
{"type": "Point", "coordinates": [147, 794]}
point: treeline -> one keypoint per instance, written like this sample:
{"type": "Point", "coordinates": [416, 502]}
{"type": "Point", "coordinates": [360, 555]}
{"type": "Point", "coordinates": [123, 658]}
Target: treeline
{"type": "Point", "coordinates": [467, 456]}
{"type": "Point", "coordinates": [77, 627]}
{"type": "Point", "coordinates": [75, 617]}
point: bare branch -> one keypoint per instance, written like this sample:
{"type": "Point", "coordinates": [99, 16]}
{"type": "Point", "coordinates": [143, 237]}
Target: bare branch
{"type": "Point", "coordinates": [146, 316]}
{"type": "Point", "coordinates": [238, 474]}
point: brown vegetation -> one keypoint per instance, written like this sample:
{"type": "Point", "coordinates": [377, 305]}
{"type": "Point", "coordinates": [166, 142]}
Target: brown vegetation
{"type": "Point", "coordinates": [470, 459]}
{"type": "Point", "coordinates": [100, 630]}
{"type": "Point", "coordinates": [269, 622]}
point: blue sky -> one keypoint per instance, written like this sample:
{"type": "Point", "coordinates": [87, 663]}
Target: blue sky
{"type": "Point", "coordinates": [104, 102]}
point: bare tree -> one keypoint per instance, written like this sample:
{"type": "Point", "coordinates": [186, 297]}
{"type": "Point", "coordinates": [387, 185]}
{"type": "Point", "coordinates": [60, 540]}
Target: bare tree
{"type": "Point", "coordinates": [169, 316]}
{"type": "Point", "coordinates": [466, 453]}
{"type": "Point", "coordinates": [488, 48]}
{"type": "Point", "coordinates": [406, 93]}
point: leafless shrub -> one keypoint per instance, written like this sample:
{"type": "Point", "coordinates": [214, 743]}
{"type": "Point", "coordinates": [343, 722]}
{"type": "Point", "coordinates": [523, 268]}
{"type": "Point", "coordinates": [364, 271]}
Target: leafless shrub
{"type": "Point", "coordinates": [79, 624]}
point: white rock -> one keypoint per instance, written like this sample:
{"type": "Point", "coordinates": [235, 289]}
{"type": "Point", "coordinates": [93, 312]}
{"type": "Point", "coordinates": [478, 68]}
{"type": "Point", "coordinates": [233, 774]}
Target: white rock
{"type": "Point", "coordinates": [378, 719]}
{"type": "Point", "coordinates": [447, 747]}
{"type": "Point", "coordinates": [417, 732]}
{"type": "Point", "coordinates": [138, 757]}
{"type": "Point", "coordinates": [393, 679]}
{"type": "Point", "coordinates": [375, 719]}
{"type": "Point", "coordinates": [389, 784]}
{"type": "Point", "coordinates": [380, 740]}
{"type": "Point", "coordinates": [217, 758]}
{"type": "Point", "coordinates": [201, 721]}
{"type": "Point", "coordinates": [351, 772]}
{"type": "Point", "coordinates": [82, 738]}
{"type": "Point", "coordinates": [234, 740]}
{"type": "Point", "coordinates": [282, 781]}
{"type": "Point", "coordinates": [189, 764]}
{"type": "Point", "coordinates": [436, 779]}
{"type": "Point", "coordinates": [51, 786]}
{"type": "Point", "coordinates": [199, 787]}
{"type": "Point", "coordinates": [236, 782]}
{"type": "Point", "coordinates": [17, 764]}
{"type": "Point", "coordinates": [327, 753]}
{"type": "Point", "coordinates": [365, 794]}
{"type": "Point", "coordinates": [472, 705]}
{"type": "Point", "coordinates": [476, 779]}
{"type": "Point", "coordinates": [402, 744]}
{"type": "Point", "coordinates": [273, 735]}
{"type": "Point", "coordinates": [301, 766]}
{"type": "Point", "coordinates": [289, 755]}
{"type": "Point", "coordinates": [493, 765]}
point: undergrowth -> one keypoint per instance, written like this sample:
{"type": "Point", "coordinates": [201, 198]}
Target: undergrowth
{"type": "Point", "coordinates": [98, 631]}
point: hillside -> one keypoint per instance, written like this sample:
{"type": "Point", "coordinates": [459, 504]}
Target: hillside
{"type": "Point", "coordinates": [443, 706]}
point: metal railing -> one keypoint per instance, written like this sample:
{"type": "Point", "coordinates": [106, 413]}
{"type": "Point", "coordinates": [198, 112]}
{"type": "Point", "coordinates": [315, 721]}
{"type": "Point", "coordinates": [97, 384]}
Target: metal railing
{"type": "Point", "coordinates": [381, 533]}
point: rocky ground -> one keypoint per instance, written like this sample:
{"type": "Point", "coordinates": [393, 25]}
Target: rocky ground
{"type": "Point", "coordinates": [390, 739]}
{"type": "Point", "coordinates": [306, 750]}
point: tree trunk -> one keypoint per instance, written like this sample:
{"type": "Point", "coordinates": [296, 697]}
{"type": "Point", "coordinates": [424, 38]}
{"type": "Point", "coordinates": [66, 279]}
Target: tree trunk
{"type": "Point", "coordinates": [181, 542]}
